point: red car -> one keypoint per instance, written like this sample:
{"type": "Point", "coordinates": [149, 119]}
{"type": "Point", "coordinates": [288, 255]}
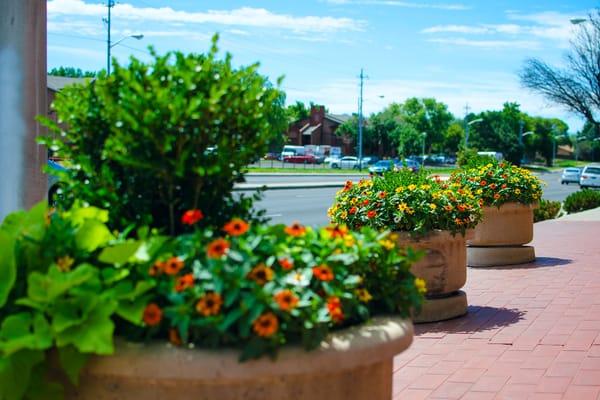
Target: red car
{"type": "Point", "coordinates": [301, 159]}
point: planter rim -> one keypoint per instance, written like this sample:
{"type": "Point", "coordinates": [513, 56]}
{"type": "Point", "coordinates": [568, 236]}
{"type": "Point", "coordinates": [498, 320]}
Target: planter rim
{"type": "Point", "coordinates": [513, 205]}
{"type": "Point", "coordinates": [436, 234]}
{"type": "Point", "coordinates": [379, 339]}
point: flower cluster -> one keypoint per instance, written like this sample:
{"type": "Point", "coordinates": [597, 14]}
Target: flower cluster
{"type": "Point", "coordinates": [263, 286]}
{"type": "Point", "coordinates": [499, 183]}
{"type": "Point", "coordinates": [406, 201]}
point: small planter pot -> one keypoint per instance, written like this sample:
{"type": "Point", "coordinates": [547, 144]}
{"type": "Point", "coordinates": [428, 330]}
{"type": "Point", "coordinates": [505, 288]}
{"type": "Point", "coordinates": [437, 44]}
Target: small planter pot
{"type": "Point", "coordinates": [444, 269]}
{"type": "Point", "coordinates": [354, 363]}
{"type": "Point", "coordinates": [500, 238]}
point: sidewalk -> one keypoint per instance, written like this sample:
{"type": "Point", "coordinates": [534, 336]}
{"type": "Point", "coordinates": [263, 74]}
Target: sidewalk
{"type": "Point", "coordinates": [532, 331]}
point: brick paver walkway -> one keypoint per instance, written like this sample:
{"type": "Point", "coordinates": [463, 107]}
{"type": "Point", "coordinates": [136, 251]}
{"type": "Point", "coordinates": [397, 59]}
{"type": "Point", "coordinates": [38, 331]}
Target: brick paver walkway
{"type": "Point", "coordinates": [532, 331]}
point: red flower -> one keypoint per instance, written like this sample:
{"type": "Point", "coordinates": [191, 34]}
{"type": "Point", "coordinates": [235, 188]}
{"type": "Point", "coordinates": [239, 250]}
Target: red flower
{"type": "Point", "coordinates": [152, 314]}
{"type": "Point", "coordinates": [217, 248]}
{"type": "Point", "coordinates": [371, 214]}
{"type": "Point", "coordinates": [295, 230]}
{"type": "Point", "coordinates": [190, 217]}
{"type": "Point", "coordinates": [184, 282]}
{"type": "Point", "coordinates": [286, 263]}
{"type": "Point", "coordinates": [348, 186]}
{"type": "Point", "coordinates": [353, 210]}
{"type": "Point", "coordinates": [334, 306]}
{"type": "Point", "coordinates": [323, 273]}
{"type": "Point", "coordinates": [365, 202]}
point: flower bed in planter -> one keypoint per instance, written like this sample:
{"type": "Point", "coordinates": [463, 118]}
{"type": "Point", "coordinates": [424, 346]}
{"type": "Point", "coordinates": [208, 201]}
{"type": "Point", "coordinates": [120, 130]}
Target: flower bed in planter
{"type": "Point", "coordinates": [149, 244]}
{"type": "Point", "coordinates": [509, 195]}
{"type": "Point", "coordinates": [426, 214]}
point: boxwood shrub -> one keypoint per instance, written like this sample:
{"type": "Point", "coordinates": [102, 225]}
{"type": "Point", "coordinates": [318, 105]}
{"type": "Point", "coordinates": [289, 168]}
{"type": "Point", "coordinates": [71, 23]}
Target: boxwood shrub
{"type": "Point", "coordinates": [583, 200]}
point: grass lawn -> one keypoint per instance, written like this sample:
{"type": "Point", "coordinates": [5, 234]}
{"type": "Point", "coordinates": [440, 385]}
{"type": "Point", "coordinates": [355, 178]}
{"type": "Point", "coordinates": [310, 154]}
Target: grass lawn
{"type": "Point", "coordinates": [319, 170]}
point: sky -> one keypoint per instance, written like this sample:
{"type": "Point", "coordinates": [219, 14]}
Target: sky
{"type": "Point", "coordinates": [457, 51]}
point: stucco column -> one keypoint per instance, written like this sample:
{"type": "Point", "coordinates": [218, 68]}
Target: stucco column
{"type": "Point", "coordinates": [23, 89]}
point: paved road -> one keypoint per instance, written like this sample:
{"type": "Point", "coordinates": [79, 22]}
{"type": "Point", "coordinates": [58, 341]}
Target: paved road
{"type": "Point", "coordinates": [309, 206]}
{"type": "Point", "coordinates": [279, 178]}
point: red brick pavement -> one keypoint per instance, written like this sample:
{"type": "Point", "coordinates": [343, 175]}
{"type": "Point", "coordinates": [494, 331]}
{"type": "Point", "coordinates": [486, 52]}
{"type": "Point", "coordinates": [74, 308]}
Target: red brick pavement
{"type": "Point", "coordinates": [532, 331]}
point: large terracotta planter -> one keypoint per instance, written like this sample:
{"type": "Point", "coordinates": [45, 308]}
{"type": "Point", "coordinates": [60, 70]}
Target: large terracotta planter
{"type": "Point", "coordinates": [500, 238]}
{"type": "Point", "coordinates": [355, 363]}
{"type": "Point", "coordinates": [444, 269]}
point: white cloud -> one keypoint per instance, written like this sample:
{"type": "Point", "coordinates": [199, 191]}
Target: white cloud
{"type": "Point", "coordinates": [405, 4]}
{"type": "Point", "coordinates": [489, 44]}
{"type": "Point", "coordinates": [456, 29]}
{"type": "Point", "coordinates": [244, 16]}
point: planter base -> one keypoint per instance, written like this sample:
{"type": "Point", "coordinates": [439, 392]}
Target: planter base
{"type": "Point", "coordinates": [442, 308]}
{"type": "Point", "coordinates": [499, 256]}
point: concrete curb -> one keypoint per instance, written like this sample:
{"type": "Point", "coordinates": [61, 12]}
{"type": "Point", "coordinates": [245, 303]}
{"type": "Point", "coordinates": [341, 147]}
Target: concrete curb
{"type": "Point", "coordinates": [288, 186]}
{"type": "Point", "coordinates": [587, 215]}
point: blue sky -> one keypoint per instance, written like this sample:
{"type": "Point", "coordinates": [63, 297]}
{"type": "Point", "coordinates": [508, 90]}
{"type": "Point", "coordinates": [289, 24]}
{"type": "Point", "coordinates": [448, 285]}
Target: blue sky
{"type": "Point", "coordinates": [458, 51]}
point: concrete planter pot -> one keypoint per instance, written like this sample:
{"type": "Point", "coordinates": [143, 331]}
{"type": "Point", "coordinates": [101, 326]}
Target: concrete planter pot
{"type": "Point", "coordinates": [500, 238]}
{"type": "Point", "coordinates": [355, 363]}
{"type": "Point", "coordinates": [444, 269]}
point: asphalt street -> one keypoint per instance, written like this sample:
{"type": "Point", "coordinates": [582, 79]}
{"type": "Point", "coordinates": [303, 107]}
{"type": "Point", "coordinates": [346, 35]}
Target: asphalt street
{"type": "Point", "coordinates": [309, 206]}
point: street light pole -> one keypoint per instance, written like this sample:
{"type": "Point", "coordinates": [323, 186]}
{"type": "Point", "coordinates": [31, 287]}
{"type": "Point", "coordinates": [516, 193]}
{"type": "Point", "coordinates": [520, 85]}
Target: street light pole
{"type": "Point", "coordinates": [360, 121]}
{"type": "Point", "coordinates": [467, 130]}
{"type": "Point", "coordinates": [424, 134]}
{"type": "Point", "coordinates": [109, 5]}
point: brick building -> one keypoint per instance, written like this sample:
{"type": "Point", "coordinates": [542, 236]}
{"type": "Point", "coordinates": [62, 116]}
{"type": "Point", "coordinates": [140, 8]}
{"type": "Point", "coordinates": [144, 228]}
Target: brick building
{"type": "Point", "coordinates": [319, 129]}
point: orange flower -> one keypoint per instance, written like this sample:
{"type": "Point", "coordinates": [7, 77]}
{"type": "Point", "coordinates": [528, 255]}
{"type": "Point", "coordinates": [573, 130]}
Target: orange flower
{"type": "Point", "coordinates": [493, 186]}
{"type": "Point", "coordinates": [266, 325]}
{"type": "Point", "coordinates": [323, 273]}
{"type": "Point", "coordinates": [236, 227]}
{"type": "Point", "coordinates": [337, 231]}
{"type": "Point", "coordinates": [286, 299]}
{"type": "Point", "coordinates": [152, 314]}
{"type": "Point", "coordinates": [174, 337]}
{"type": "Point", "coordinates": [334, 306]}
{"type": "Point", "coordinates": [365, 202]}
{"type": "Point", "coordinates": [190, 217]}
{"type": "Point", "coordinates": [347, 186]}
{"type": "Point", "coordinates": [261, 274]}
{"type": "Point", "coordinates": [503, 186]}
{"type": "Point", "coordinates": [461, 207]}
{"type": "Point", "coordinates": [496, 196]}
{"type": "Point", "coordinates": [173, 265]}
{"type": "Point", "coordinates": [209, 304]}
{"type": "Point", "coordinates": [184, 282]}
{"type": "Point", "coordinates": [382, 195]}
{"type": "Point", "coordinates": [157, 268]}
{"type": "Point", "coordinates": [286, 263]}
{"type": "Point", "coordinates": [371, 214]}
{"type": "Point", "coordinates": [217, 248]}
{"type": "Point", "coordinates": [483, 183]}
{"type": "Point", "coordinates": [353, 210]}
{"type": "Point", "coordinates": [295, 229]}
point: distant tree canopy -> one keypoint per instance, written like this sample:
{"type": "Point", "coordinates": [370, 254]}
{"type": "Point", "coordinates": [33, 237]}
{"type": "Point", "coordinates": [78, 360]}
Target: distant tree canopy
{"type": "Point", "coordinates": [299, 110]}
{"type": "Point", "coordinates": [72, 72]}
{"type": "Point", "coordinates": [577, 86]}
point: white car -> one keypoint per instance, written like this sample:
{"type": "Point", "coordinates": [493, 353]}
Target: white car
{"type": "Point", "coordinates": [570, 175]}
{"type": "Point", "coordinates": [590, 176]}
{"type": "Point", "coordinates": [347, 162]}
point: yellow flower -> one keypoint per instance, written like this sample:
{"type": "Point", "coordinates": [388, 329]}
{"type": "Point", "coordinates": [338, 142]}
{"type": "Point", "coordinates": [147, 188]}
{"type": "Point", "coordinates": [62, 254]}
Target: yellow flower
{"type": "Point", "coordinates": [412, 186]}
{"type": "Point", "coordinates": [518, 191]}
{"type": "Point", "coordinates": [363, 295]}
{"type": "Point", "coordinates": [410, 210]}
{"type": "Point", "coordinates": [402, 207]}
{"type": "Point", "coordinates": [388, 244]}
{"type": "Point", "coordinates": [64, 263]}
{"type": "Point", "coordinates": [343, 215]}
{"type": "Point", "coordinates": [399, 189]}
{"type": "Point", "coordinates": [436, 195]}
{"type": "Point", "coordinates": [432, 206]}
{"type": "Point", "coordinates": [353, 200]}
{"type": "Point", "coordinates": [349, 240]}
{"type": "Point", "coordinates": [421, 286]}
{"type": "Point", "coordinates": [425, 187]}
{"type": "Point", "coordinates": [479, 191]}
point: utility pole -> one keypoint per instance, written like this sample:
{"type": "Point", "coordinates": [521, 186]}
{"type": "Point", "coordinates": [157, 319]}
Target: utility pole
{"type": "Point", "coordinates": [467, 109]}
{"type": "Point", "coordinates": [110, 4]}
{"type": "Point", "coordinates": [360, 121]}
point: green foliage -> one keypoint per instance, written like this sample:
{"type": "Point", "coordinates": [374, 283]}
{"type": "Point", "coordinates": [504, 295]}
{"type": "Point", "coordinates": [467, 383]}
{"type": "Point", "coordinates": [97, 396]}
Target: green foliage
{"type": "Point", "coordinates": [152, 140]}
{"type": "Point", "coordinates": [497, 183]}
{"type": "Point", "coordinates": [64, 297]}
{"type": "Point", "coordinates": [406, 201]}
{"type": "Point", "coordinates": [547, 209]}
{"type": "Point", "coordinates": [71, 72]}
{"type": "Point", "coordinates": [583, 200]}
{"type": "Point", "coordinates": [468, 158]}
{"type": "Point", "coordinates": [429, 116]}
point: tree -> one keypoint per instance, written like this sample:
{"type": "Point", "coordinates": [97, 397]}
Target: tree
{"type": "Point", "coordinates": [71, 72]}
{"type": "Point", "coordinates": [429, 116]}
{"type": "Point", "coordinates": [576, 87]}
{"type": "Point", "coordinates": [455, 136]}
{"type": "Point", "coordinates": [297, 111]}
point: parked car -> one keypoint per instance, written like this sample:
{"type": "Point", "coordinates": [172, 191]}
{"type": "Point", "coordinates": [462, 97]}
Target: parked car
{"type": "Point", "coordinates": [590, 176]}
{"type": "Point", "coordinates": [411, 164]}
{"type": "Point", "coordinates": [382, 166]}
{"type": "Point", "coordinates": [570, 175]}
{"type": "Point", "coordinates": [300, 159]}
{"type": "Point", "coordinates": [347, 162]}
{"type": "Point", "coordinates": [271, 156]}
{"type": "Point", "coordinates": [329, 159]}
{"type": "Point", "coordinates": [370, 160]}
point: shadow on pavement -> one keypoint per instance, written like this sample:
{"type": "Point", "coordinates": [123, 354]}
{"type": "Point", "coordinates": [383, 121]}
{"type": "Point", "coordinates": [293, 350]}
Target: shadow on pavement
{"type": "Point", "coordinates": [477, 319]}
{"type": "Point", "coordinates": [540, 262]}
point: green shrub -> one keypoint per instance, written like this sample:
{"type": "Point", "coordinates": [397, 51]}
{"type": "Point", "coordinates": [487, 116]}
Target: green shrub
{"type": "Point", "coordinates": [582, 200]}
{"type": "Point", "coordinates": [468, 158]}
{"type": "Point", "coordinates": [155, 139]}
{"type": "Point", "coordinates": [547, 209]}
